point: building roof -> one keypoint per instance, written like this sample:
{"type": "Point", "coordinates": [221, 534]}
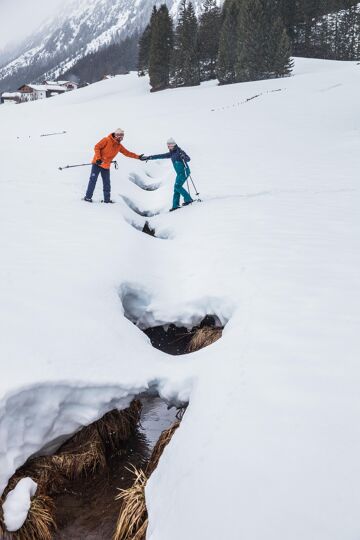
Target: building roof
{"type": "Point", "coordinates": [11, 94]}
{"type": "Point", "coordinates": [61, 83]}
{"type": "Point", "coordinates": [46, 87]}
{"type": "Point", "coordinates": [67, 82]}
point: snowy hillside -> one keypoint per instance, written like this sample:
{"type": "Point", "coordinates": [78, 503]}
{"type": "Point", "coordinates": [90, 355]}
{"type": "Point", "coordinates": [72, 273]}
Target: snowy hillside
{"type": "Point", "coordinates": [269, 446]}
{"type": "Point", "coordinates": [81, 28]}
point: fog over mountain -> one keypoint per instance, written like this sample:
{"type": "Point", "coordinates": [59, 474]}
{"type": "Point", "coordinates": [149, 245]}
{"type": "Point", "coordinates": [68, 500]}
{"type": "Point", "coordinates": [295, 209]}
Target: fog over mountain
{"type": "Point", "coordinates": [81, 27]}
{"type": "Point", "coordinates": [20, 18]}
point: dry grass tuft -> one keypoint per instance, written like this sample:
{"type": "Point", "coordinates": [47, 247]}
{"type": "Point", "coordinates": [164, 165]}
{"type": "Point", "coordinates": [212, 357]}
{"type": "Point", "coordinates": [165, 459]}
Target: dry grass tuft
{"type": "Point", "coordinates": [203, 337]}
{"type": "Point", "coordinates": [82, 454]}
{"type": "Point", "coordinates": [2, 525]}
{"type": "Point", "coordinates": [133, 519]}
{"type": "Point", "coordinates": [159, 448]}
{"type": "Point", "coordinates": [40, 523]}
{"type": "Point", "coordinates": [39, 469]}
{"type": "Point", "coordinates": [86, 459]}
{"type": "Point", "coordinates": [116, 427]}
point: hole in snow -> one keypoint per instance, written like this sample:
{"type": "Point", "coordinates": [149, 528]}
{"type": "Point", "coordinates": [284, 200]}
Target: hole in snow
{"type": "Point", "coordinates": [78, 484]}
{"type": "Point", "coordinates": [177, 340]}
{"type": "Point", "coordinates": [146, 228]}
{"type": "Point", "coordinates": [163, 234]}
{"type": "Point", "coordinates": [137, 210]}
{"type": "Point", "coordinates": [174, 337]}
{"type": "Point", "coordinates": [138, 181]}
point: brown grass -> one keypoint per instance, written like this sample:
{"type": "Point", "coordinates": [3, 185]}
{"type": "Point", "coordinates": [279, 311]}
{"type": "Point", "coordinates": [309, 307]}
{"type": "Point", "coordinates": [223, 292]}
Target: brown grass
{"type": "Point", "coordinates": [82, 454]}
{"type": "Point", "coordinates": [203, 337]}
{"type": "Point", "coordinates": [133, 519]}
{"type": "Point", "coordinates": [159, 448]}
{"type": "Point", "coordinates": [116, 427]}
{"type": "Point", "coordinates": [2, 526]}
{"type": "Point", "coordinates": [40, 523]}
{"type": "Point", "coordinates": [85, 460]}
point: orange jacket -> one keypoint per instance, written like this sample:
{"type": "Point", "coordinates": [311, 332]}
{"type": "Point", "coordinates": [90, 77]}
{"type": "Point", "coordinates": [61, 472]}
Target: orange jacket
{"type": "Point", "coordinates": [107, 149]}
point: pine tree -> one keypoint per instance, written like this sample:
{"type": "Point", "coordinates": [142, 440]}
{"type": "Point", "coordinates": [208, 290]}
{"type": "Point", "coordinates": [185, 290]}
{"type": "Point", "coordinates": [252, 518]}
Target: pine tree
{"type": "Point", "coordinates": [312, 9]}
{"type": "Point", "coordinates": [289, 14]}
{"type": "Point", "coordinates": [209, 35]}
{"type": "Point", "coordinates": [251, 47]}
{"type": "Point", "coordinates": [185, 60]}
{"type": "Point", "coordinates": [348, 33]}
{"type": "Point", "coordinates": [144, 46]}
{"type": "Point", "coordinates": [263, 44]}
{"type": "Point", "coordinates": [280, 63]}
{"type": "Point", "coordinates": [161, 44]}
{"type": "Point", "coordinates": [228, 42]}
{"type": "Point", "coordinates": [144, 51]}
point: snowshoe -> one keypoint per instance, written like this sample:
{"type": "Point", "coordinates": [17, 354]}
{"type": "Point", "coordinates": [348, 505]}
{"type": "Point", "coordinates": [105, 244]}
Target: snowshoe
{"type": "Point", "coordinates": [175, 208]}
{"type": "Point", "coordinates": [87, 199]}
{"type": "Point", "coordinates": [108, 202]}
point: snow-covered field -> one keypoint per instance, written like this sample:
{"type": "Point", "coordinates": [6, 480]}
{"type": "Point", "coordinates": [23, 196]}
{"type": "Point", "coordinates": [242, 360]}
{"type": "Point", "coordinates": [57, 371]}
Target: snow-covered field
{"type": "Point", "coordinates": [269, 447]}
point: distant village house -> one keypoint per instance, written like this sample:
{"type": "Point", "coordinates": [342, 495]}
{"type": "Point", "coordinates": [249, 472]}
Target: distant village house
{"type": "Point", "coordinates": [11, 97]}
{"type": "Point", "coordinates": [40, 91]}
{"type": "Point", "coordinates": [68, 85]}
{"type": "Point", "coordinates": [32, 92]}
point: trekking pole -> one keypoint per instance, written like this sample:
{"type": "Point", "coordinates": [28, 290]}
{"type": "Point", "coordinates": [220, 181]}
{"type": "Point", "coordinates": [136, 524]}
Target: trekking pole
{"type": "Point", "coordinates": [50, 134]}
{"type": "Point", "coordinates": [84, 165]}
{"type": "Point", "coordinates": [192, 181]}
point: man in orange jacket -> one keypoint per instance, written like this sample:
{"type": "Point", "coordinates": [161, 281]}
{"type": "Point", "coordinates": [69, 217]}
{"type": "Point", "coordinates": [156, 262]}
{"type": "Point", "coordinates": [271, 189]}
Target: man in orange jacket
{"type": "Point", "coordinates": [105, 151]}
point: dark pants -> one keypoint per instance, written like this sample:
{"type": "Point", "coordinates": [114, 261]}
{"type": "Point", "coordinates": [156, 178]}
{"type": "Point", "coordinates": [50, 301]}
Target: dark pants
{"type": "Point", "coordinates": [105, 175]}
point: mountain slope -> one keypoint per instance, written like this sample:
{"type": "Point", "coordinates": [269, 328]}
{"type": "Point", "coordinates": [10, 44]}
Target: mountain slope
{"type": "Point", "coordinates": [83, 29]}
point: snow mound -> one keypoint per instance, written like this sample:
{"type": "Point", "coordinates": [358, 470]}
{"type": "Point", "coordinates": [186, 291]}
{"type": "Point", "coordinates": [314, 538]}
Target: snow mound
{"type": "Point", "coordinates": [17, 504]}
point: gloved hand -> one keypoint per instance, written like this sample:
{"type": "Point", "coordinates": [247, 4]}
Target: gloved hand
{"type": "Point", "coordinates": [143, 158]}
{"type": "Point", "coordinates": [98, 161]}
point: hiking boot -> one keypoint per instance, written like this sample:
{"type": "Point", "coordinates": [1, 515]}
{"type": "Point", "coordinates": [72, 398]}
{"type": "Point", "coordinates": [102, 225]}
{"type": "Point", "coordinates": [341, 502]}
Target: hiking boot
{"type": "Point", "coordinates": [187, 203]}
{"type": "Point", "coordinates": [87, 199]}
{"type": "Point", "coordinates": [175, 208]}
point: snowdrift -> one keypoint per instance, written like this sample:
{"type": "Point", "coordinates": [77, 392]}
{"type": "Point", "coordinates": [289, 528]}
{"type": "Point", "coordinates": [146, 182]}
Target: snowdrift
{"type": "Point", "coordinates": [269, 445]}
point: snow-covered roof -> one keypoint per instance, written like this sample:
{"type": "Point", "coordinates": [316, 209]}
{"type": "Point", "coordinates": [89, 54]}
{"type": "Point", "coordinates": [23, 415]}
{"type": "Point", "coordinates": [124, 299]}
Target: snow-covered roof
{"type": "Point", "coordinates": [46, 87]}
{"type": "Point", "coordinates": [67, 82]}
{"type": "Point", "coordinates": [11, 94]}
{"type": "Point", "coordinates": [61, 83]}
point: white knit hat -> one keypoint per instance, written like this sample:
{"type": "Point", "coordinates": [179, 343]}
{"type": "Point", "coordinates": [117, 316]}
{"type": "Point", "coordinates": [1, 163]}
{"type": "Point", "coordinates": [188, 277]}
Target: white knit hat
{"type": "Point", "coordinates": [171, 141]}
{"type": "Point", "coordinates": [119, 131]}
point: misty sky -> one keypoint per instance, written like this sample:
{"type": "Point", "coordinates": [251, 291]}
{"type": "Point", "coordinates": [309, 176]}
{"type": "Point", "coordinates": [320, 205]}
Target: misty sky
{"type": "Point", "coordinates": [18, 18]}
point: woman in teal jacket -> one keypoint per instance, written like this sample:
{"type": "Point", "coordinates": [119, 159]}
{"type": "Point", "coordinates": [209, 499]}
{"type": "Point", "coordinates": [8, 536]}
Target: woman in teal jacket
{"type": "Point", "coordinates": [180, 162]}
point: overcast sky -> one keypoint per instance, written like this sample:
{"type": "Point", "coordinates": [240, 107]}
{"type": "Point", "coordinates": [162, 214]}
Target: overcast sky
{"type": "Point", "coordinates": [18, 18]}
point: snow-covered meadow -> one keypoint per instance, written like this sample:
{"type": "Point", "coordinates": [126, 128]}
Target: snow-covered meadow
{"type": "Point", "coordinates": [270, 442]}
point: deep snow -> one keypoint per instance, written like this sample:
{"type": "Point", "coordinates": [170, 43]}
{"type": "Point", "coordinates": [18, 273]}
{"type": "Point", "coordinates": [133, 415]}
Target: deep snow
{"type": "Point", "coordinates": [269, 445]}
